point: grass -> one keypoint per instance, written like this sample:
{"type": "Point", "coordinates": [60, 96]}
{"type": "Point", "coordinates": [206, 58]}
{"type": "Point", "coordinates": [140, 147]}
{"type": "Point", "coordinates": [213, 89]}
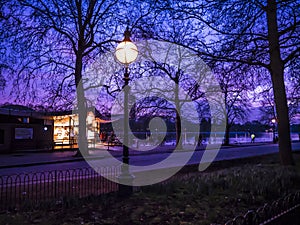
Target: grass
{"type": "Point", "coordinates": [190, 198]}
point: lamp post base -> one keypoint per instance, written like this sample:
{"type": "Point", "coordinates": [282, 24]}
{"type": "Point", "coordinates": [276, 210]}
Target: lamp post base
{"type": "Point", "coordinates": [125, 181]}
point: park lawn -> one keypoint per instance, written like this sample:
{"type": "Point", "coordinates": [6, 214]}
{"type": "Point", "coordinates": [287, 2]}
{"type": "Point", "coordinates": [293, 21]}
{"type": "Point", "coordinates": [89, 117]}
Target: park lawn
{"type": "Point", "coordinates": [191, 198]}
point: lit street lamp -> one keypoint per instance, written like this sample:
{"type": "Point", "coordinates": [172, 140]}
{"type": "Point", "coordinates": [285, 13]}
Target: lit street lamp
{"type": "Point", "coordinates": [126, 53]}
{"type": "Point", "coordinates": [274, 126]}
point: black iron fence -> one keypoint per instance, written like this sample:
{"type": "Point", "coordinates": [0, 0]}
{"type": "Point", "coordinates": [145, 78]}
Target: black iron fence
{"type": "Point", "coordinates": [20, 189]}
{"type": "Point", "coordinates": [283, 211]}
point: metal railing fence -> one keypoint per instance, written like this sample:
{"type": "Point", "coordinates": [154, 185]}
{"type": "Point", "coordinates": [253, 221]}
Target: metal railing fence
{"type": "Point", "coordinates": [34, 188]}
{"type": "Point", "coordinates": [281, 211]}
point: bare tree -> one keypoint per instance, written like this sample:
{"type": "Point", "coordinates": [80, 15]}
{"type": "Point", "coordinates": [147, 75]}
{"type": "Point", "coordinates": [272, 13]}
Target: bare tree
{"type": "Point", "coordinates": [264, 92]}
{"type": "Point", "coordinates": [267, 103]}
{"type": "Point", "coordinates": [2, 79]}
{"type": "Point", "coordinates": [155, 103]}
{"type": "Point", "coordinates": [57, 39]}
{"type": "Point", "coordinates": [256, 33]}
{"type": "Point", "coordinates": [293, 81]}
{"type": "Point", "coordinates": [235, 86]}
{"type": "Point", "coordinates": [5, 69]}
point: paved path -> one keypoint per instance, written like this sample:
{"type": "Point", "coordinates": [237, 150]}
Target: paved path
{"type": "Point", "coordinates": [40, 157]}
{"type": "Point", "coordinates": [31, 158]}
{"type": "Point", "coordinates": [143, 162]}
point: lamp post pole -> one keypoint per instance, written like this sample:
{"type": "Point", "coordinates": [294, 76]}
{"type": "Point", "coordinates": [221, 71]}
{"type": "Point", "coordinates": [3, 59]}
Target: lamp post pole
{"type": "Point", "coordinates": [126, 53]}
{"type": "Point", "coordinates": [274, 129]}
{"type": "Point", "coordinates": [126, 117]}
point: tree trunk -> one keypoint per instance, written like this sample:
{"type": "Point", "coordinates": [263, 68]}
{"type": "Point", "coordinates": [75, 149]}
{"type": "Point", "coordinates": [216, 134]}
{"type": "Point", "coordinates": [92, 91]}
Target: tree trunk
{"type": "Point", "coordinates": [82, 111]}
{"type": "Point", "coordinates": [226, 141]}
{"type": "Point", "coordinates": [225, 90]}
{"type": "Point", "coordinates": [277, 72]}
{"type": "Point", "coordinates": [177, 120]}
{"type": "Point", "coordinates": [178, 131]}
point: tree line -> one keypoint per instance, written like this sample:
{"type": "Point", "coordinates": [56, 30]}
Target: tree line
{"type": "Point", "coordinates": [252, 47]}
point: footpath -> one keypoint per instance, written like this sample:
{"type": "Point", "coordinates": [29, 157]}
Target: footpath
{"type": "Point", "coordinates": [34, 157]}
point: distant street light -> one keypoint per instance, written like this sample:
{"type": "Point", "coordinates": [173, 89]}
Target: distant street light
{"type": "Point", "coordinates": [274, 128]}
{"type": "Point", "coordinates": [126, 53]}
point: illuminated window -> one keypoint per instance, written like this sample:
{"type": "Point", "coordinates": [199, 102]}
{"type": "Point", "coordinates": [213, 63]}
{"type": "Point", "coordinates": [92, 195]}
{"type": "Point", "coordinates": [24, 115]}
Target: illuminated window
{"type": "Point", "coordinates": [25, 119]}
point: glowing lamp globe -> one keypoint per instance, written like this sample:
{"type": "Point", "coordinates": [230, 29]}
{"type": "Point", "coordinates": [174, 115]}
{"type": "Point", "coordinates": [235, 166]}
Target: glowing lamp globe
{"type": "Point", "coordinates": [126, 51]}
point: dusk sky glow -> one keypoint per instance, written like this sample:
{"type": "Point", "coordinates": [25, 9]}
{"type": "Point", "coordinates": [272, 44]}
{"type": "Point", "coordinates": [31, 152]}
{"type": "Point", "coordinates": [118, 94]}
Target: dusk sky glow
{"type": "Point", "coordinates": [39, 52]}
